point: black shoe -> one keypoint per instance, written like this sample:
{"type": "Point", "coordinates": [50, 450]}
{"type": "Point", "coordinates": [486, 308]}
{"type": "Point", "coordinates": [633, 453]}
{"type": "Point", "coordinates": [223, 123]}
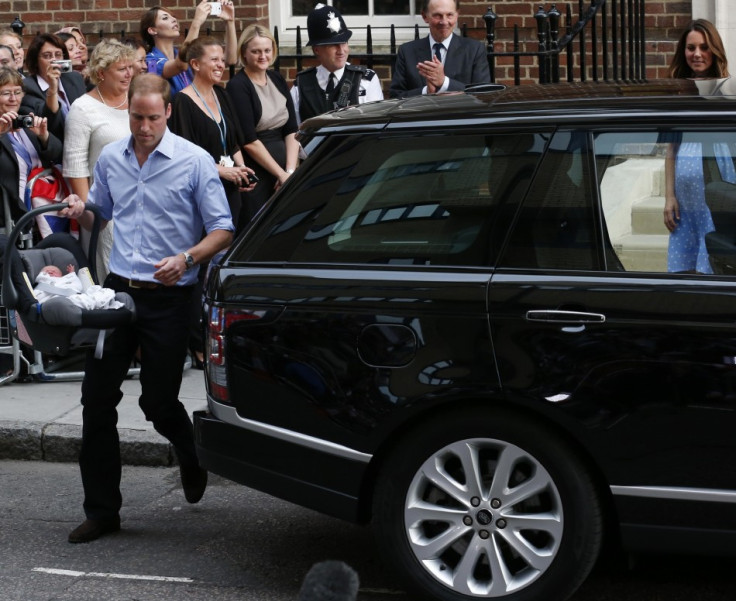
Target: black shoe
{"type": "Point", "coordinates": [194, 482]}
{"type": "Point", "coordinates": [90, 530]}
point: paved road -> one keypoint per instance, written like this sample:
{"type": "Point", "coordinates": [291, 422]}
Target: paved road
{"type": "Point", "coordinates": [237, 544]}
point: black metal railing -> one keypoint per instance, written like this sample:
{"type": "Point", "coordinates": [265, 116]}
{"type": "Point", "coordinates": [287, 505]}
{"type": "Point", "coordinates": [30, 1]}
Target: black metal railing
{"type": "Point", "coordinates": [604, 41]}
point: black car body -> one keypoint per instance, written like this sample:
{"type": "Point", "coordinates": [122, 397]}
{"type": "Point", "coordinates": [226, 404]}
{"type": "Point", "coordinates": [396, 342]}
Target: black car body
{"type": "Point", "coordinates": [456, 321]}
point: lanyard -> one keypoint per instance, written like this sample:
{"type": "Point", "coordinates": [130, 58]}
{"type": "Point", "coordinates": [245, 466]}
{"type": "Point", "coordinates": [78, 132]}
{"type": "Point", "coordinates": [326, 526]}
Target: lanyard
{"type": "Point", "coordinates": [21, 150]}
{"type": "Point", "coordinates": [222, 126]}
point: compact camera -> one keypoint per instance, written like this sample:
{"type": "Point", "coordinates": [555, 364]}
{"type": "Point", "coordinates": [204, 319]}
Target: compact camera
{"type": "Point", "coordinates": [23, 121]}
{"type": "Point", "coordinates": [215, 8]}
{"type": "Point", "coordinates": [65, 65]}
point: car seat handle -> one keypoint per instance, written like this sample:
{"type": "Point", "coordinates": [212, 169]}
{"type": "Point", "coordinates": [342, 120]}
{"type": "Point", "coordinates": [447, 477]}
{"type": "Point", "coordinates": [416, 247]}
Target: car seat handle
{"type": "Point", "coordinates": [9, 297]}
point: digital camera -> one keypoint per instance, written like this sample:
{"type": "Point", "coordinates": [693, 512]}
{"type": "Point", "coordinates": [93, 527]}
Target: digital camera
{"type": "Point", "coordinates": [65, 65]}
{"type": "Point", "coordinates": [22, 121]}
{"type": "Point", "coordinates": [215, 8]}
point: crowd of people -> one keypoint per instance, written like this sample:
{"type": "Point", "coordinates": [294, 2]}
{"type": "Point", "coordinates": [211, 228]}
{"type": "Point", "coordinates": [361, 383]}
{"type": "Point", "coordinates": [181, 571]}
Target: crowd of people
{"type": "Point", "coordinates": [248, 125]}
{"type": "Point", "coordinates": [179, 163]}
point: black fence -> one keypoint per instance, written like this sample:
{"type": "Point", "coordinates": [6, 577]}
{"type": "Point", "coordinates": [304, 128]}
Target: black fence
{"type": "Point", "coordinates": [604, 41]}
{"type": "Point", "coordinates": [597, 40]}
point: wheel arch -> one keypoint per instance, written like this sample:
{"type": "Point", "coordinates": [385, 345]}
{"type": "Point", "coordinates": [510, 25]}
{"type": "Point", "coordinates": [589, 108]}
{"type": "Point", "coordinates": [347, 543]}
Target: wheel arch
{"type": "Point", "coordinates": [500, 406]}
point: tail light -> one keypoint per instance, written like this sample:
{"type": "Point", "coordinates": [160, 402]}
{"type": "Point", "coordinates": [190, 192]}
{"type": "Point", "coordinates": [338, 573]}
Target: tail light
{"type": "Point", "coordinates": [219, 320]}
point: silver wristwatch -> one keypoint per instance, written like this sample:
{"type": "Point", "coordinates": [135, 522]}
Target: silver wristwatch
{"type": "Point", "coordinates": [188, 260]}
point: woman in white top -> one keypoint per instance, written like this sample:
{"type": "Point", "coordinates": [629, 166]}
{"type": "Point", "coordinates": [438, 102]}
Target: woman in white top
{"type": "Point", "coordinates": [96, 119]}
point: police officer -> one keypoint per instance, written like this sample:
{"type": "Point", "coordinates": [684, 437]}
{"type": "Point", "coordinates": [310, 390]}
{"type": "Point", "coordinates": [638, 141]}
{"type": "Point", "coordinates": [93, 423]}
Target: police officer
{"type": "Point", "coordinates": [334, 83]}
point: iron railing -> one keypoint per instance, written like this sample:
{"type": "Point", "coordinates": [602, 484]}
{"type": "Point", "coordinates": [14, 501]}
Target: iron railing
{"type": "Point", "coordinates": [605, 40]}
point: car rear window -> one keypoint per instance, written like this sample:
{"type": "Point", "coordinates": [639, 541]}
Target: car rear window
{"type": "Point", "coordinates": [403, 200]}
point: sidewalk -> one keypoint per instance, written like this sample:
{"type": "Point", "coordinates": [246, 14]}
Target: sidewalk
{"type": "Point", "coordinates": [43, 421]}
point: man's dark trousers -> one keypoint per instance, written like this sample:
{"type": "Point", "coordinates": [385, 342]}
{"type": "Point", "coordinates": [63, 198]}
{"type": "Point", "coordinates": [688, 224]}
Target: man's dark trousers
{"type": "Point", "coordinates": [161, 332]}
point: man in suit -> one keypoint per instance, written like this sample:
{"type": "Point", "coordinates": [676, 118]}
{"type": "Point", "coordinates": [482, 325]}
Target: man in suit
{"type": "Point", "coordinates": [442, 61]}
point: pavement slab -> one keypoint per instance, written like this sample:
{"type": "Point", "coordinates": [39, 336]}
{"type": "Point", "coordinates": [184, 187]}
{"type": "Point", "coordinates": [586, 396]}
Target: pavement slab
{"type": "Point", "coordinates": [43, 421]}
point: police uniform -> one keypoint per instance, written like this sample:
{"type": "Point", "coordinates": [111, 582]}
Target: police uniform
{"type": "Point", "coordinates": [355, 83]}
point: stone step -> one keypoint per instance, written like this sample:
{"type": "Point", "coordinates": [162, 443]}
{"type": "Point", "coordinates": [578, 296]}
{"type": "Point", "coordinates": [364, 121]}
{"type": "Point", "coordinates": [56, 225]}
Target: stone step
{"type": "Point", "coordinates": [647, 216]}
{"type": "Point", "coordinates": [642, 252]}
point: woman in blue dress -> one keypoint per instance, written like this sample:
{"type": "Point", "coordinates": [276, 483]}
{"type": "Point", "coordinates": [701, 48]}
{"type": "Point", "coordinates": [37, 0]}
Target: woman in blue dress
{"type": "Point", "coordinates": [700, 54]}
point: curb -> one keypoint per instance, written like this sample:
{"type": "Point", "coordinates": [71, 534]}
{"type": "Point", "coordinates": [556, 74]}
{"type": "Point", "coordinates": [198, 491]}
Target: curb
{"type": "Point", "coordinates": [37, 441]}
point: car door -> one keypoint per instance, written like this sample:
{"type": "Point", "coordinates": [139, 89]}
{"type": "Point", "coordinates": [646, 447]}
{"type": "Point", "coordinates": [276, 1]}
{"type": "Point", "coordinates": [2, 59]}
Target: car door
{"type": "Point", "coordinates": [372, 276]}
{"type": "Point", "coordinates": [590, 328]}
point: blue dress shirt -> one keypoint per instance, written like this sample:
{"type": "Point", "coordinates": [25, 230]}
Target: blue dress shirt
{"type": "Point", "coordinates": [160, 209]}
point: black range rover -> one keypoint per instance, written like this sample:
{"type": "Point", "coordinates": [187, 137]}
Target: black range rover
{"type": "Point", "coordinates": [464, 321]}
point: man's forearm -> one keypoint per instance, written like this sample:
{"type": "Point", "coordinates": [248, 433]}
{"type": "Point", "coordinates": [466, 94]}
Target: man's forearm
{"type": "Point", "coordinates": [210, 245]}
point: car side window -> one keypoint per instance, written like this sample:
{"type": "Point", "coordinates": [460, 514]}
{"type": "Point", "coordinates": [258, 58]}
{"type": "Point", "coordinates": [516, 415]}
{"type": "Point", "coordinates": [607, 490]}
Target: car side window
{"type": "Point", "coordinates": [555, 228]}
{"type": "Point", "coordinates": [405, 200]}
{"type": "Point", "coordinates": [690, 176]}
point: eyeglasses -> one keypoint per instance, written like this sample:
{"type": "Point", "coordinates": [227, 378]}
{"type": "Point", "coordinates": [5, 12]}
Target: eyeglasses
{"type": "Point", "coordinates": [52, 55]}
{"type": "Point", "coordinates": [7, 94]}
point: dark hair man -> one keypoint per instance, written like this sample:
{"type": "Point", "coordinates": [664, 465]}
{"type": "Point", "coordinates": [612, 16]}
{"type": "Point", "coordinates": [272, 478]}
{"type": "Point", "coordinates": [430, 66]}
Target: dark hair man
{"type": "Point", "coordinates": [161, 191]}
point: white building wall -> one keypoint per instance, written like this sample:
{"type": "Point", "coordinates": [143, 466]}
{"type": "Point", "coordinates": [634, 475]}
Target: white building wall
{"type": "Point", "coordinates": [718, 13]}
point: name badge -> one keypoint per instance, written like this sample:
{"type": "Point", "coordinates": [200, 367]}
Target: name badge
{"type": "Point", "coordinates": [226, 161]}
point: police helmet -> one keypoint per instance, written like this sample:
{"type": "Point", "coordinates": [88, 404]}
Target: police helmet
{"type": "Point", "coordinates": [325, 25]}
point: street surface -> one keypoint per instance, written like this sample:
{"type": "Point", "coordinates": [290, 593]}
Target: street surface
{"type": "Point", "coordinates": [236, 544]}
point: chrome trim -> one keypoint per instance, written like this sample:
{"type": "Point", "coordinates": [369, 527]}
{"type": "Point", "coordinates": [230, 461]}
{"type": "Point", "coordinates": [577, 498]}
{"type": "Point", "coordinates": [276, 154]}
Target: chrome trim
{"type": "Point", "coordinates": [230, 416]}
{"type": "Point", "coordinates": [556, 315]}
{"type": "Point", "coordinates": [710, 495]}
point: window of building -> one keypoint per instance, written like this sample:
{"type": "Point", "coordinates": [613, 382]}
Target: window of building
{"type": "Point", "coordinates": [379, 14]}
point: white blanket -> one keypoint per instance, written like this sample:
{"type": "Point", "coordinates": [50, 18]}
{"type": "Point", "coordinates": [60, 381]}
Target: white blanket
{"type": "Point", "coordinates": [70, 286]}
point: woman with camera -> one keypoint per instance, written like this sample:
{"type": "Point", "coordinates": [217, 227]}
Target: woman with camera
{"type": "Point", "coordinates": [160, 31]}
{"type": "Point", "coordinates": [51, 85]}
{"type": "Point", "coordinates": [203, 114]}
{"type": "Point", "coordinates": [25, 143]}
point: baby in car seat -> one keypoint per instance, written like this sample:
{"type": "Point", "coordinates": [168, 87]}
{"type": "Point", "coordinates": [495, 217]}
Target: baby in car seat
{"type": "Point", "coordinates": [79, 289]}
{"type": "Point", "coordinates": [52, 276]}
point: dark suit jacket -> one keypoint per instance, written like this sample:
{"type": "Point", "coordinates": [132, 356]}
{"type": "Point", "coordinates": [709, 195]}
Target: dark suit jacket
{"type": "Point", "coordinates": [465, 63]}
{"type": "Point", "coordinates": [9, 174]}
{"type": "Point", "coordinates": [35, 100]}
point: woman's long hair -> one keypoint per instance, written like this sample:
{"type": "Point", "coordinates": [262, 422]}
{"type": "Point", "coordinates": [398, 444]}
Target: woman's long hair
{"type": "Point", "coordinates": [149, 20]}
{"type": "Point", "coordinates": [679, 68]}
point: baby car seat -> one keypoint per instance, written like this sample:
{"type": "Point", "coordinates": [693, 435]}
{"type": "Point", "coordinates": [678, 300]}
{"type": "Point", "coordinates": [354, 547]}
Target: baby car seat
{"type": "Point", "coordinates": [57, 326]}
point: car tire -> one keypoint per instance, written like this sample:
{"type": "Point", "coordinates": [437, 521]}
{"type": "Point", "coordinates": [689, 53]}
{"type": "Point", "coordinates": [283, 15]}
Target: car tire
{"type": "Point", "coordinates": [487, 505]}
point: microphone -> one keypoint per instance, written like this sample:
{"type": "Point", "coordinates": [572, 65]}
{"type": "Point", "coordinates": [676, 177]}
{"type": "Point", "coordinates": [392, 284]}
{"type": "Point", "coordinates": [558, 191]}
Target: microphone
{"type": "Point", "coordinates": [330, 581]}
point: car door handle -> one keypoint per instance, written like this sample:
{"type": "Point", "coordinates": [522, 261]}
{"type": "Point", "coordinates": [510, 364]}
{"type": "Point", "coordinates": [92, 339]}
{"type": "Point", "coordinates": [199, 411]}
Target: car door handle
{"type": "Point", "coordinates": [558, 316]}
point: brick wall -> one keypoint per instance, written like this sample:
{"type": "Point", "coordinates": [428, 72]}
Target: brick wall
{"type": "Point", "coordinates": [664, 21]}
{"type": "Point", "coordinates": [111, 17]}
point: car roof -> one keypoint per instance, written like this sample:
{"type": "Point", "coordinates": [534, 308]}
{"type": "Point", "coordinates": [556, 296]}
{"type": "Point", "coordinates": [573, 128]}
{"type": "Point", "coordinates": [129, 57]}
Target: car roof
{"type": "Point", "coordinates": [571, 98]}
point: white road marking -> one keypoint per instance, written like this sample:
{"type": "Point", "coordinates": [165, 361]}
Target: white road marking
{"type": "Point", "coordinates": [76, 574]}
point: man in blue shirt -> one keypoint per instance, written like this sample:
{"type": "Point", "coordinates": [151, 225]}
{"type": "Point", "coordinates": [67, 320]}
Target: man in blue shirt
{"type": "Point", "coordinates": [161, 192]}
